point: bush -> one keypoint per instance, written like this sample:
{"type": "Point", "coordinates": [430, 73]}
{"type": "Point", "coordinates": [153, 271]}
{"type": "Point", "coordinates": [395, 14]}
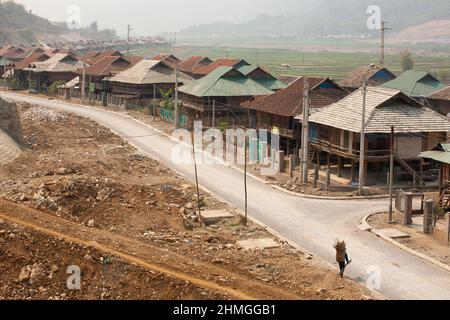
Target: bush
{"type": "Point", "coordinates": [406, 60]}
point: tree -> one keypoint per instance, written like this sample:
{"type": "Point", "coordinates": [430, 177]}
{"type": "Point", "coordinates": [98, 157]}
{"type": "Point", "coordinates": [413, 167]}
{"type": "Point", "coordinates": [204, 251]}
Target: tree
{"type": "Point", "coordinates": [53, 88]}
{"type": "Point", "coordinates": [406, 60]}
{"type": "Point", "coordinates": [167, 100]}
{"type": "Point", "coordinates": [94, 26]}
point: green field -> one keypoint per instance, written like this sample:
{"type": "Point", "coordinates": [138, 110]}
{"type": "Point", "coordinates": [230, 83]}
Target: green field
{"type": "Point", "coordinates": [334, 64]}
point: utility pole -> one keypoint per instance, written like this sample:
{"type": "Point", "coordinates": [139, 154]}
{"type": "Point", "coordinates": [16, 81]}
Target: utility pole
{"type": "Point", "coordinates": [176, 96]}
{"type": "Point", "coordinates": [83, 83]}
{"type": "Point", "coordinates": [154, 101]}
{"type": "Point", "coordinates": [305, 131]}
{"type": "Point", "coordinates": [391, 175]}
{"type": "Point", "coordinates": [129, 29]}
{"type": "Point", "coordinates": [199, 209]}
{"type": "Point", "coordinates": [362, 148]}
{"type": "Point", "coordinates": [213, 124]}
{"type": "Point", "coordinates": [383, 40]}
{"type": "Point", "coordinates": [245, 181]}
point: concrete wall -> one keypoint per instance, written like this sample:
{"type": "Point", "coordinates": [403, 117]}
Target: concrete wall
{"type": "Point", "coordinates": [10, 121]}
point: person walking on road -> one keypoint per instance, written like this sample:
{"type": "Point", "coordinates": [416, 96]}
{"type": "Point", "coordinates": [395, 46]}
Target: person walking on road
{"type": "Point", "coordinates": [341, 256]}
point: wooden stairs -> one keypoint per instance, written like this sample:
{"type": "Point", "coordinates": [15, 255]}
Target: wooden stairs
{"type": "Point", "coordinates": [411, 171]}
{"type": "Point", "coordinates": [444, 201]}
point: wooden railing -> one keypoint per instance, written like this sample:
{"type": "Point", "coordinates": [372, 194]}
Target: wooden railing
{"type": "Point", "coordinates": [346, 151]}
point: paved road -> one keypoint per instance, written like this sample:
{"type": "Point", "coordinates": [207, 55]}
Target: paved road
{"type": "Point", "coordinates": [312, 224]}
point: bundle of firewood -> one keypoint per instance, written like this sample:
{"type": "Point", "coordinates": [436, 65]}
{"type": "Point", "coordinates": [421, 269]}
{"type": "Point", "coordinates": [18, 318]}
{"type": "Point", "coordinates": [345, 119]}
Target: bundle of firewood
{"type": "Point", "coordinates": [340, 245]}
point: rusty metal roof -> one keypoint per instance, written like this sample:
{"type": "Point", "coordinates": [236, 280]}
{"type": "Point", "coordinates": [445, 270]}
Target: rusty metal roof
{"type": "Point", "coordinates": [376, 75]}
{"type": "Point", "coordinates": [194, 63]}
{"type": "Point", "coordinates": [108, 66]}
{"type": "Point", "coordinates": [220, 63]}
{"type": "Point", "coordinates": [289, 102]}
{"type": "Point", "coordinates": [443, 94]}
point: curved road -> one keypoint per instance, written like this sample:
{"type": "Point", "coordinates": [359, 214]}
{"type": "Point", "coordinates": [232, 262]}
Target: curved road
{"type": "Point", "coordinates": [311, 224]}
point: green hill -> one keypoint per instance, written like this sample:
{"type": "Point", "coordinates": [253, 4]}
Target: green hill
{"type": "Point", "coordinates": [19, 26]}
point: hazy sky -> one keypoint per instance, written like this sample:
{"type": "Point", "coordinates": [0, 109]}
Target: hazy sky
{"type": "Point", "coordinates": [150, 17]}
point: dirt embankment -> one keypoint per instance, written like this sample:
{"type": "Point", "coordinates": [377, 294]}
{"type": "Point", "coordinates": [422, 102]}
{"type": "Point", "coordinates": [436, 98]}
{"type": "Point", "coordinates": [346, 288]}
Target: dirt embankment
{"type": "Point", "coordinates": [80, 192]}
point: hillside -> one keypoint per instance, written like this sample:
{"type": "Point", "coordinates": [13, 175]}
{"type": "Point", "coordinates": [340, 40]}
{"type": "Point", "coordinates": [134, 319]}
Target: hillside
{"type": "Point", "coordinates": [438, 30]}
{"type": "Point", "coordinates": [329, 17]}
{"type": "Point", "coordinates": [17, 25]}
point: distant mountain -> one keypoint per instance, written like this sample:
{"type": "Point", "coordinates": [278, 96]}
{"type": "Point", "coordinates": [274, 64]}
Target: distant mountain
{"type": "Point", "coordinates": [17, 25]}
{"type": "Point", "coordinates": [331, 18]}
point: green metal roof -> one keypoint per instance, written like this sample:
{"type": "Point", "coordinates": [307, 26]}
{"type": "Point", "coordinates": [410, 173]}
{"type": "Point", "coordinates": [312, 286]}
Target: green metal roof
{"type": "Point", "coordinates": [4, 61]}
{"type": "Point", "coordinates": [225, 82]}
{"type": "Point", "coordinates": [270, 82]}
{"type": "Point", "coordinates": [246, 70]}
{"type": "Point", "coordinates": [415, 83]}
{"type": "Point", "coordinates": [441, 153]}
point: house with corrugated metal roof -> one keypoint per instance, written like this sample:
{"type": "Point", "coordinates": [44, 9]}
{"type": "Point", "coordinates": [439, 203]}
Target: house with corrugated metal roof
{"type": "Point", "coordinates": [145, 80]}
{"type": "Point", "coordinates": [169, 59]}
{"type": "Point", "coordinates": [218, 96]}
{"type": "Point", "coordinates": [417, 84]}
{"type": "Point", "coordinates": [191, 65]}
{"type": "Point", "coordinates": [8, 56]}
{"type": "Point", "coordinates": [440, 101]}
{"type": "Point", "coordinates": [107, 66]}
{"type": "Point", "coordinates": [262, 77]}
{"type": "Point", "coordinates": [60, 67]}
{"type": "Point", "coordinates": [375, 76]}
{"type": "Point", "coordinates": [441, 155]}
{"type": "Point", "coordinates": [278, 111]}
{"type": "Point", "coordinates": [235, 63]}
{"type": "Point", "coordinates": [335, 130]}
{"type": "Point", "coordinates": [18, 70]}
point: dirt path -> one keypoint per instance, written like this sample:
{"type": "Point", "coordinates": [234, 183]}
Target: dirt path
{"type": "Point", "coordinates": [96, 238]}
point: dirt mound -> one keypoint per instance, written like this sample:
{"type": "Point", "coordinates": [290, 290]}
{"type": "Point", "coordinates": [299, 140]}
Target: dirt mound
{"type": "Point", "coordinates": [43, 115]}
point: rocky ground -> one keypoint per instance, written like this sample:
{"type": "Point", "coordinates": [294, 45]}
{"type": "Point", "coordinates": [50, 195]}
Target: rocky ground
{"type": "Point", "coordinates": [79, 179]}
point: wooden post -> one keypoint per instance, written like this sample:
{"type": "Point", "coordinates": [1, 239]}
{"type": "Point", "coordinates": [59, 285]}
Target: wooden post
{"type": "Point", "coordinates": [329, 157]}
{"type": "Point", "coordinates": [316, 175]}
{"type": "Point", "coordinates": [340, 166]}
{"type": "Point", "coordinates": [391, 173]}
{"type": "Point", "coordinates": [318, 158]}
{"type": "Point", "coordinates": [352, 171]}
{"type": "Point", "coordinates": [428, 217]}
{"type": "Point", "coordinates": [199, 212]}
{"type": "Point", "coordinates": [327, 180]}
{"type": "Point", "coordinates": [408, 209]}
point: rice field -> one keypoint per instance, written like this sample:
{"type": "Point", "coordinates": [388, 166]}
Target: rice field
{"type": "Point", "coordinates": [327, 61]}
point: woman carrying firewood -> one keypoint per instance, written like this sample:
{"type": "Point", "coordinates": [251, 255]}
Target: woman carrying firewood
{"type": "Point", "coordinates": [341, 256]}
